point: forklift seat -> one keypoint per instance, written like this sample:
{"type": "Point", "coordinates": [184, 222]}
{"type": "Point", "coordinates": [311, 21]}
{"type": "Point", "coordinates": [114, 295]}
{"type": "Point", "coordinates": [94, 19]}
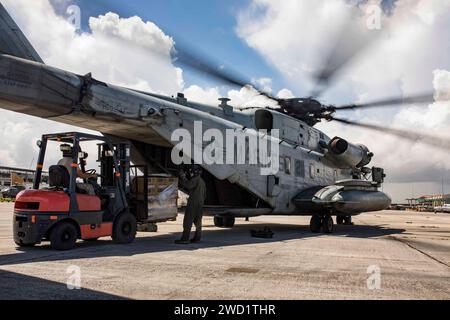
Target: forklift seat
{"type": "Point", "coordinates": [58, 177]}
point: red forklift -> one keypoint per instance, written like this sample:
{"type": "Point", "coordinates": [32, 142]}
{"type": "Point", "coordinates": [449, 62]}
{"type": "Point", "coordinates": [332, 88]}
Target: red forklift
{"type": "Point", "coordinates": [68, 210]}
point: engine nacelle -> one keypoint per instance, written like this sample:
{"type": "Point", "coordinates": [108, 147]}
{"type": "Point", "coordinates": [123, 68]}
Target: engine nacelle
{"type": "Point", "coordinates": [348, 155]}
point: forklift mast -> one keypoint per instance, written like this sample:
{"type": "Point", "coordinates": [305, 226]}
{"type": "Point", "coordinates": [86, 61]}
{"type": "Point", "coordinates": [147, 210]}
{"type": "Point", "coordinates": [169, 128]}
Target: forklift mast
{"type": "Point", "coordinates": [122, 151]}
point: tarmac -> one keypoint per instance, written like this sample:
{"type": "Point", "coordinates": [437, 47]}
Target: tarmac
{"type": "Point", "coordinates": [384, 255]}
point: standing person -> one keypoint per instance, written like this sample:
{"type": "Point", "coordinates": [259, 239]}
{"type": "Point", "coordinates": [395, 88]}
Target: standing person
{"type": "Point", "coordinates": [196, 188]}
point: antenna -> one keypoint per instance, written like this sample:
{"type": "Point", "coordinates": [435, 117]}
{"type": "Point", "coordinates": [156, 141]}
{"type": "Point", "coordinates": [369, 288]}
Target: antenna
{"type": "Point", "coordinates": [29, 167]}
{"type": "Point", "coordinates": [31, 163]}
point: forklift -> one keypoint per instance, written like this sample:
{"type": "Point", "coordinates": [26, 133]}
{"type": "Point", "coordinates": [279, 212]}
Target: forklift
{"type": "Point", "coordinates": [68, 210]}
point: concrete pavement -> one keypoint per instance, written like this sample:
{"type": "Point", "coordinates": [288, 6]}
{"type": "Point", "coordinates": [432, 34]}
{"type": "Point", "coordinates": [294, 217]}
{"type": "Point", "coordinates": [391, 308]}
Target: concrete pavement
{"type": "Point", "coordinates": [411, 251]}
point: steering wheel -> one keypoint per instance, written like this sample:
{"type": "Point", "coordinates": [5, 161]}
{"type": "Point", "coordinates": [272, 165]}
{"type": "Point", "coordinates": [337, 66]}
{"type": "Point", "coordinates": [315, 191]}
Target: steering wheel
{"type": "Point", "coordinates": [94, 171]}
{"type": "Point", "coordinates": [91, 171]}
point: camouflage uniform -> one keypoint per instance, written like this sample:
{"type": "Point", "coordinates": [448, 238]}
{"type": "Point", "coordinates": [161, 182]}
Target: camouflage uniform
{"type": "Point", "coordinates": [196, 189]}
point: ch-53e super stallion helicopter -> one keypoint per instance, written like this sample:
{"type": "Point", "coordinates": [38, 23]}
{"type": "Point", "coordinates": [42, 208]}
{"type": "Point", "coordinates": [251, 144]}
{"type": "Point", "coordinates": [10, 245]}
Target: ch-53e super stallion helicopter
{"type": "Point", "coordinates": [319, 176]}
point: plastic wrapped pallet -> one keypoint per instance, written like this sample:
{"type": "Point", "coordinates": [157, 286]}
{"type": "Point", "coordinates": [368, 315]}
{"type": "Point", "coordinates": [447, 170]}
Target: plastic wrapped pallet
{"type": "Point", "coordinates": [162, 197]}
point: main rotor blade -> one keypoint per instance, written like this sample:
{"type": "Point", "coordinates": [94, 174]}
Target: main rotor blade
{"type": "Point", "coordinates": [351, 41]}
{"type": "Point", "coordinates": [401, 133]}
{"type": "Point", "coordinates": [199, 62]}
{"type": "Point", "coordinates": [423, 98]}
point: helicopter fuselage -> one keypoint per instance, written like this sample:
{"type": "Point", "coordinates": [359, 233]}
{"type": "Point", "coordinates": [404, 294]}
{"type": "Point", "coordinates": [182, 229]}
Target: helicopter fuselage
{"type": "Point", "coordinates": [307, 160]}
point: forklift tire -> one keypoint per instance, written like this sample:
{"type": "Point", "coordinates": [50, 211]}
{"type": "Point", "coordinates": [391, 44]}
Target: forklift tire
{"type": "Point", "coordinates": [315, 224]}
{"type": "Point", "coordinates": [124, 229]}
{"type": "Point", "coordinates": [63, 236]}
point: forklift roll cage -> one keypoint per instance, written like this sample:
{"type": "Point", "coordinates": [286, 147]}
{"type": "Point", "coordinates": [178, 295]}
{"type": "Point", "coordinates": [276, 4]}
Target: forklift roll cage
{"type": "Point", "coordinates": [75, 138]}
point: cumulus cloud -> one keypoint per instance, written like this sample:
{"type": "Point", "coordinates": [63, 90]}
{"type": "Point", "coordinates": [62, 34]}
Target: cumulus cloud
{"type": "Point", "coordinates": [265, 84]}
{"type": "Point", "coordinates": [295, 36]}
{"type": "Point", "coordinates": [127, 52]}
{"type": "Point", "coordinates": [285, 94]}
{"type": "Point", "coordinates": [123, 51]}
{"type": "Point", "coordinates": [244, 97]}
{"type": "Point", "coordinates": [203, 95]}
{"type": "Point", "coordinates": [410, 56]}
{"type": "Point", "coordinates": [19, 135]}
{"type": "Point", "coordinates": [435, 120]}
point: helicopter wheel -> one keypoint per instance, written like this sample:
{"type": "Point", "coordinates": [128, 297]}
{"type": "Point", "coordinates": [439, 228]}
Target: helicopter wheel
{"type": "Point", "coordinates": [219, 221]}
{"type": "Point", "coordinates": [224, 221]}
{"type": "Point", "coordinates": [327, 224]}
{"type": "Point", "coordinates": [315, 224]}
{"type": "Point", "coordinates": [348, 220]}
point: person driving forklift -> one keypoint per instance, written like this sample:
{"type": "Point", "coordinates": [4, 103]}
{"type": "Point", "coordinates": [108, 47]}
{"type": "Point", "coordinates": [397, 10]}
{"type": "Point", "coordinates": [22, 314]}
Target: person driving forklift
{"type": "Point", "coordinates": [67, 160]}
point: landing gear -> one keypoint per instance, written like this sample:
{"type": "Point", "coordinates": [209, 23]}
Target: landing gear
{"type": "Point", "coordinates": [218, 221]}
{"type": "Point", "coordinates": [327, 224]}
{"type": "Point", "coordinates": [321, 223]}
{"type": "Point", "coordinates": [224, 221]}
{"type": "Point", "coordinates": [315, 224]}
{"type": "Point", "coordinates": [346, 220]}
{"type": "Point", "coordinates": [229, 222]}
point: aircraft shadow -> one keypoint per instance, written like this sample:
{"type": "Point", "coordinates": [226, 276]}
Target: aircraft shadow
{"type": "Point", "coordinates": [216, 238]}
{"type": "Point", "coordinates": [16, 286]}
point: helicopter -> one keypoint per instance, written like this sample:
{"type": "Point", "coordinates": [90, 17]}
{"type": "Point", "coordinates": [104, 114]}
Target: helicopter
{"type": "Point", "coordinates": [317, 175]}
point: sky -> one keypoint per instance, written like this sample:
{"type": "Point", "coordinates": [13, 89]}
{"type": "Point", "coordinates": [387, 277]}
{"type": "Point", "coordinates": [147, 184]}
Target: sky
{"type": "Point", "coordinates": [208, 26]}
{"type": "Point", "coordinates": [277, 44]}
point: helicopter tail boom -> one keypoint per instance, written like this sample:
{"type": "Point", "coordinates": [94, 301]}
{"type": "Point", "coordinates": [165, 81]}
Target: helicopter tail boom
{"type": "Point", "coordinates": [13, 41]}
{"type": "Point", "coordinates": [36, 89]}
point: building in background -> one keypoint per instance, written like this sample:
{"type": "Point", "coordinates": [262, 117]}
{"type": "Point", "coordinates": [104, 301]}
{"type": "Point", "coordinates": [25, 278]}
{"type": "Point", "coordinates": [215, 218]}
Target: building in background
{"type": "Point", "coordinates": [10, 176]}
{"type": "Point", "coordinates": [428, 203]}
{"type": "Point", "coordinates": [434, 200]}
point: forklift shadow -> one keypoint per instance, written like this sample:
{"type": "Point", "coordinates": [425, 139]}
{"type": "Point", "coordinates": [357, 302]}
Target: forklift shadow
{"type": "Point", "coordinates": [212, 238]}
{"type": "Point", "coordinates": [16, 286]}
